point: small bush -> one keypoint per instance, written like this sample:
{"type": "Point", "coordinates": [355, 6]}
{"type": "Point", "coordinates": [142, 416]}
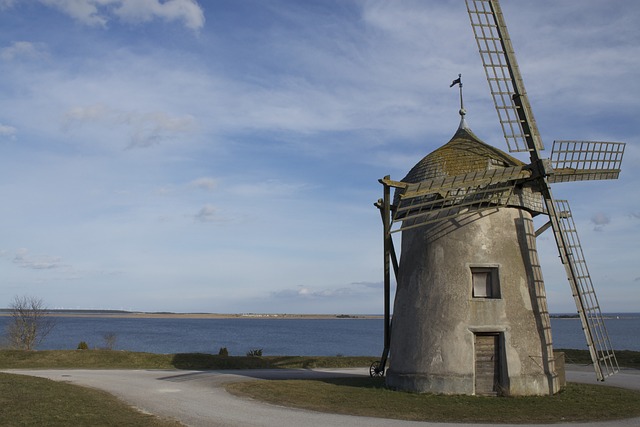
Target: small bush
{"type": "Point", "coordinates": [83, 346]}
{"type": "Point", "coordinates": [256, 352]}
{"type": "Point", "coordinates": [223, 351]}
{"type": "Point", "coordinates": [110, 339]}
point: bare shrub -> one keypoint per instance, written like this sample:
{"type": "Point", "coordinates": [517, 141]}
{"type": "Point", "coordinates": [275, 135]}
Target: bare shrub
{"type": "Point", "coordinates": [110, 339]}
{"type": "Point", "coordinates": [30, 323]}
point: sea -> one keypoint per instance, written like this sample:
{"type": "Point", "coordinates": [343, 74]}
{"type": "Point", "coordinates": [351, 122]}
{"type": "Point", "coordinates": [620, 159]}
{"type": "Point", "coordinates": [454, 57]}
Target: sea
{"type": "Point", "coordinates": [279, 336]}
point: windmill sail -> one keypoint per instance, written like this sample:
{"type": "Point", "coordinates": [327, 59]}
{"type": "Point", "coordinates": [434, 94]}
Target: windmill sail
{"type": "Point", "coordinates": [438, 199]}
{"type": "Point", "coordinates": [501, 68]}
{"type": "Point", "coordinates": [573, 160]}
{"type": "Point", "coordinates": [418, 211]}
{"type": "Point", "coordinates": [602, 354]}
{"type": "Point", "coordinates": [585, 160]}
{"type": "Point", "coordinates": [484, 177]}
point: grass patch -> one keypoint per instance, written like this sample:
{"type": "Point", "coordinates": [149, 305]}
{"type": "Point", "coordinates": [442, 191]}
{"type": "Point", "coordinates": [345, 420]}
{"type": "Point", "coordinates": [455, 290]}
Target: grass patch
{"type": "Point", "coordinates": [369, 397]}
{"type": "Point", "coordinates": [30, 401]}
{"type": "Point", "coordinates": [110, 359]}
{"type": "Point", "coordinates": [82, 359]}
{"type": "Point", "coordinates": [35, 401]}
{"type": "Point", "coordinates": [625, 358]}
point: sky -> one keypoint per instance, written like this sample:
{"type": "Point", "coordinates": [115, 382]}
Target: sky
{"type": "Point", "coordinates": [224, 156]}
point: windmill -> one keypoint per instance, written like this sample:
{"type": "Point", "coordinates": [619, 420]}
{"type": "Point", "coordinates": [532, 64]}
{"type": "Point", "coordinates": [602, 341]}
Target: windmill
{"type": "Point", "coordinates": [470, 192]}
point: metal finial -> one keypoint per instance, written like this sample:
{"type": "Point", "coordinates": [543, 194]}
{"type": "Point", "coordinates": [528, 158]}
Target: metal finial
{"type": "Point", "coordinates": [462, 111]}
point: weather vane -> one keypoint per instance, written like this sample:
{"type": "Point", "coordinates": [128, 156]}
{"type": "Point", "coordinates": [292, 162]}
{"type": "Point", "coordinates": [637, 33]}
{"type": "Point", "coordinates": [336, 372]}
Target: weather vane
{"type": "Point", "coordinates": [458, 82]}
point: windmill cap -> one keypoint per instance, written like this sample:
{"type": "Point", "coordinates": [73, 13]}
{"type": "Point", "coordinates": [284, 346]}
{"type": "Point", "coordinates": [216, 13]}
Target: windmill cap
{"type": "Point", "coordinates": [464, 153]}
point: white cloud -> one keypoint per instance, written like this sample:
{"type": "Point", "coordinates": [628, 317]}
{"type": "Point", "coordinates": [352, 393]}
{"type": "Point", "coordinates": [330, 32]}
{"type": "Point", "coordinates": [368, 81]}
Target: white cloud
{"type": "Point", "coordinates": [99, 12]}
{"type": "Point", "coordinates": [7, 131]}
{"type": "Point", "coordinates": [144, 129]}
{"type": "Point", "coordinates": [89, 113]}
{"type": "Point", "coordinates": [208, 213]}
{"type": "Point", "coordinates": [6, 4]}
{"type": "Point", "coordinates": [600, 219]}
{"type": "Point", "coordinates": [306, 293]}
{"type": "Point", "coordinates": [151, 128]}
{"type": "Point", "coordinates": [204, 183]}
{"type": "Point", "coordinates": [187, 11]}
{"type": "Point", "coordinates": [84, 11]}
{"type": "Point", "coordinates": [23, 49]}
{"type": "Point", "coordinates": [353, 290]}
{"type": "Point", "coordinates": [269, 188]}
{"type": "Point", "coordinates": [35, 262]}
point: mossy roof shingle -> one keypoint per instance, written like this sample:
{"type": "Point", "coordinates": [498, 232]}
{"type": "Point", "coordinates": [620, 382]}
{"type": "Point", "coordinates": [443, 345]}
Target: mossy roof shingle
{"type": "Point", "coordinates": [462, 154]}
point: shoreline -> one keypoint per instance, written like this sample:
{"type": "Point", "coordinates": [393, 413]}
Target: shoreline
{"type": "Point", "coordinates": [162, 315]}
{"type": "Point", "coordinates": [121, 314]}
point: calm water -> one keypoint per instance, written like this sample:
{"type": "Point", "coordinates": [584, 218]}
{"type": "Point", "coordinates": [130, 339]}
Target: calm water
{"type": "Point", "coordinates": [304, 337]}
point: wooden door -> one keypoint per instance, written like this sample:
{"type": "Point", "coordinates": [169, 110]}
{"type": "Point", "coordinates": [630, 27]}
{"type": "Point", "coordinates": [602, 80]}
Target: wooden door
{"type": "Point", "coordinates": [487, 348]}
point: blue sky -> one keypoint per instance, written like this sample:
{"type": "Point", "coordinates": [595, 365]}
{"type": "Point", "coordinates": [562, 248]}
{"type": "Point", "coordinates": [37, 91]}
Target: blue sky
{"type": "Point", "coordinates": [223, 156]}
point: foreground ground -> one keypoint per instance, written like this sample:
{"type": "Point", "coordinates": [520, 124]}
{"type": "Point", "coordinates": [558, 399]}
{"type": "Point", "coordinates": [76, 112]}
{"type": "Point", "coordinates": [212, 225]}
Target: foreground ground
{"type": "Point", "coordinates": [32, 401]}
{"type": "Point", "coordinates": [369, 397]}
{"type": "Point", "coordinates": [199, 398]}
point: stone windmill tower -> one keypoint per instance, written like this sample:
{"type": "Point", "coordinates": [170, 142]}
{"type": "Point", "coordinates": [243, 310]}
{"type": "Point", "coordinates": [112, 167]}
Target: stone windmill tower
{"type": "Point", "coordinates": [470, 313]}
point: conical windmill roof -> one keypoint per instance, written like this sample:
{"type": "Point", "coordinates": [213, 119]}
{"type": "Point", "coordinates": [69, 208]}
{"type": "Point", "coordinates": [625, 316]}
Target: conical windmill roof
{"type": "Point", "coordinates": [464, 153]}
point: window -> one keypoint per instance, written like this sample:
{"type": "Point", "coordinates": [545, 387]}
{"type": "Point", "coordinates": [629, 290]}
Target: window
{"type": "Point", "coordinates": [485, 282]}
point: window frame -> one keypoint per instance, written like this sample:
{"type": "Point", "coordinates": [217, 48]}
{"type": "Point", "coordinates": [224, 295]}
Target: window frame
{"type": "Point", "coordinates": [492, 289]}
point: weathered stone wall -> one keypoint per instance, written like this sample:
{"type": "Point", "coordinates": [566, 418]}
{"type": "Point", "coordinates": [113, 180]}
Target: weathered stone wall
{"type": "Point", "coordinates": [436, 316]}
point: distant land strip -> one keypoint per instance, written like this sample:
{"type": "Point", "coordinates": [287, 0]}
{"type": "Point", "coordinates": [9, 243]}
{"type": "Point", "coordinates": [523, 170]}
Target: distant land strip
{"type": "Point", "coordinates": [171, 315]}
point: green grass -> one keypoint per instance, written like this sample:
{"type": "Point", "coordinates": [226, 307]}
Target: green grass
{"type": "Point", "coordinates": [369, 397]}
{"type": "Point", "coordinates": [109, 359]}
{"type": "Point", "coordinates": [626, 358]}
{"type": "Point", "coordinates": [30, 401]}
{"type": "Point", "coordinates": [35, 401]}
